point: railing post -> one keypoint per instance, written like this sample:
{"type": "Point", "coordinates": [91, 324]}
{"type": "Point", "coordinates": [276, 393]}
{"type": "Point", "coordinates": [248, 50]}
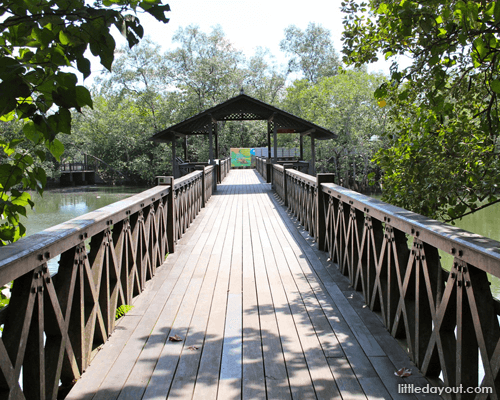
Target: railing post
{"type": "Point", "coordinates": [202, 169]}
{"type": "Point", "coordinates": [285, 189]}
{"type": "Point", "coordinates": [169, 180]}
{"type": "Point", "coordinates": [214, 180]}
{"type": "Point", "coordinates": [171, 215]}
{"type": "Point", "coordinates": [218, 167]}
{"type": "Point", "coordinates": [269, 170]}
{"type": "Point", "coordinates": [320, 208]}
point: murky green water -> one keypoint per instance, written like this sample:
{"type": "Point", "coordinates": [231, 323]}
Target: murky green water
{"type": "Point", "coordinates": [485, 222]}
{"type": "Point", "coordinates": [57, 206]}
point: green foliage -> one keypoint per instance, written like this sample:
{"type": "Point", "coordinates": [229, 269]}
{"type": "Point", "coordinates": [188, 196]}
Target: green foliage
{"type": "Point", "coordinates": [311, 52]}
{"type": "Point", "coordinates": [443, 107]}
{"type": "Point", "coordinates": [122, 310]}
{"type": "Point", "coordinates": [137, 99]}
{"type": "Point", "coordinates": [5, 296]}
{"type": "Point", "coordinates": [206, 68]}
{"type": "Point", "coordinates": [40, 42]}
{"type": "Point", "coordinates": [117, 131]}
{"type": "Point", "coordinates": [345, 105]}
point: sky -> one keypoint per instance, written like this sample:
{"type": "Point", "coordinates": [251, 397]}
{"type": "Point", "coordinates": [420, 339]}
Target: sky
{"type": "Point", "coordinates": [249, 24]}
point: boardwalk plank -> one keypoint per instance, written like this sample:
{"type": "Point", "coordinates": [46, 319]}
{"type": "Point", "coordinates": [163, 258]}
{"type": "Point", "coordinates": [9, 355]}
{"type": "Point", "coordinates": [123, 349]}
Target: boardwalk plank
{"type": "Point", "coordinates": [232, 348]}
{"type": "Point", "coordinates": [346, 379]}
{"type": "Point", "coordinates": [253, 386]}
{"type": "Point", "coordinates": [267, 315]}
{"type": "Point", "coordinates": [208, 373]}
{"type": "Point", "coordinates": [301, 384]}
{"type": "Point", "coordinates": [185, 375]}
{"type": "Point", "coordinates": [277, 384]}
{"type": "Point", "coordinates": [323, 381]}
{"type": "Point", "coordinates": [157, 336]}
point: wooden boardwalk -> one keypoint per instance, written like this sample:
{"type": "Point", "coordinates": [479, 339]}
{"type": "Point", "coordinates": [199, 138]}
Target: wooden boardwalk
{"type": "Point", "coordinates": [260, 314]}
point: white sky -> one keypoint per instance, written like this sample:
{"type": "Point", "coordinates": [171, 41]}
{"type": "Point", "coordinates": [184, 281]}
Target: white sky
{"type": "Point", "coordinates": [249, 24]}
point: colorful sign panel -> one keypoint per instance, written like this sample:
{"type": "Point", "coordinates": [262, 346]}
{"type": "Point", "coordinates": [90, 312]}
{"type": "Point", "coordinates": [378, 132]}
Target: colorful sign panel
{"type": "Point", "coordinates": [242, 157]}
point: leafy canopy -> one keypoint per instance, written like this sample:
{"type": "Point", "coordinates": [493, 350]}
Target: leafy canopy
{"type": "Point", "coordinates": [345, 105]}
{"type": "Point", "coordinates": [311, 51]}
{"type": "Point", "coordinates": [42, 41]}
{"type": "Point", "coordinates": [443, 107]}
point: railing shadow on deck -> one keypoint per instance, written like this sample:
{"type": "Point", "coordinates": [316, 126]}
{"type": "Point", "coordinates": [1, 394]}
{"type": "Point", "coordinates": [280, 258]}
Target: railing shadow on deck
{"type": "Point", "coordinates": [54, 323]}
{"type": "Point", "coordinates": [445, 316]}
{"type": "Point", "coordinates": [276, 373]}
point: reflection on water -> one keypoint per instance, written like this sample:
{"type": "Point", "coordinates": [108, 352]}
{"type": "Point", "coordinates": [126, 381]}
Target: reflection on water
{"type": "Point", "coordinates": [58, 206]}
{"type": "Point", "coordinates": [484, 223]}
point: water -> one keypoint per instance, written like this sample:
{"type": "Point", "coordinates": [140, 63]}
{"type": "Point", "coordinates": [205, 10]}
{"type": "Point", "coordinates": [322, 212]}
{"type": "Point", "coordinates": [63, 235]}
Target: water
{"type": "Point", "coordinates": [485, 223]}
{"type": "Point", "coordinates": [60, 205]}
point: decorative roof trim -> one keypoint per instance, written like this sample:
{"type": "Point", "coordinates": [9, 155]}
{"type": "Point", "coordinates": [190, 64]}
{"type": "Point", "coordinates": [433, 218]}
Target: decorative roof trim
{"type": "Point", "coordinates": [243, 105]}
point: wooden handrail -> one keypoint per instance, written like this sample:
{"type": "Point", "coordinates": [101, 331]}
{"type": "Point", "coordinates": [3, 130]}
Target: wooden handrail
{"type": "Point", "coordinates": [446, 317]}
{"type": "Point", "coordinates": [55, 321]}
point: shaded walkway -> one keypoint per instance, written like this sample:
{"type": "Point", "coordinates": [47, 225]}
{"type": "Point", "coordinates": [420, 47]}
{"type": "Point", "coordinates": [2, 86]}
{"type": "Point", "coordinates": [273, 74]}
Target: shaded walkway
{"type": "Point", "coordinates": [259, 313]}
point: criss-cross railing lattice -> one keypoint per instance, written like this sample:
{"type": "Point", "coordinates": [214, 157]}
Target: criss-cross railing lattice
{"type": "Point", "coordinates": [428, 281]}
{"type": "Point", "coordinates": [56, 320]}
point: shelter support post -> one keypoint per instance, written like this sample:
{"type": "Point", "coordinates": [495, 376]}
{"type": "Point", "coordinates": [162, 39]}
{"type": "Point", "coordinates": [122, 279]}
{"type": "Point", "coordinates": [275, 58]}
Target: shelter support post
{"type": "Point", "coordinates": [216, 132]}
{"type": "Point", "coordinates": [185, 149]}
{"type": "Point", "coordinates": [211, 143]}
{"type": "Point", "coordinates": [268, 159]}
{"type": "Point", "coordinates": [269, 127]}
{"type": "Point", "coordinates": [174, 161]}
{"type": "Point", "coordinates": [312, 166]}
{"type": "Point", "coordinates": [275, 140]}
{"type": "Point", "coordinates": [301, 148]}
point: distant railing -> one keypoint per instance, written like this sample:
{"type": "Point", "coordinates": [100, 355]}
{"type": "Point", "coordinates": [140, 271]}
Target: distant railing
{"type": "Point", "coordinates": [261, 166]}
{"type": "Point", "coordinates": [77, 166]}
{"type": "Point", "coordinates": [89, 163]}
{"type": "Point", "coordinates": [223, 166]}
{"type": "Point", "coordinates": [444, 312]}
{"type": "Point", "coordinates": [188, 167]}
{"type": "Point", "coordinates": [55, 321]}
{"type": "Point", "coordinates": [264, 166]}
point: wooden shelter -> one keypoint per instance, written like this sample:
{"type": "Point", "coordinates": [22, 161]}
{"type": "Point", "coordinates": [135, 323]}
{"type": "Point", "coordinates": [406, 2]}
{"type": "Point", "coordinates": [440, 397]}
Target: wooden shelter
{"type": "Point", "coordinates": [243, 108]}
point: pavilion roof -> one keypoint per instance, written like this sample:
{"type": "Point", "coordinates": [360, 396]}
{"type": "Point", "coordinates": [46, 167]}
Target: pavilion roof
{"type": "Point", "coordinates": [240, 108]}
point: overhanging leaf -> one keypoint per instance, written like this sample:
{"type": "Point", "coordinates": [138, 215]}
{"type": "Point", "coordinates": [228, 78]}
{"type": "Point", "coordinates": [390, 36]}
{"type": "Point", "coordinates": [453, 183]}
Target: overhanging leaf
{"type": "Point", "coordinates": [495, 86]}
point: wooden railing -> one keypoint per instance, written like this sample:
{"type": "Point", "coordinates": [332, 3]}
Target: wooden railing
{"type": "Point", "coordinates": [210, 182]}
{"type": "Point", "coordinates": [224, 168]}
{"type": "Point", "coordinates": [188, 167]}
{"type": "Point", "coordinates": [442, 309]}
{"type": "Point", "coordinates": [261, 166]}
{"type": "Point", "coordinates": [300, 192]}
{"type": "Point", "coordinates": [77, 166]}
{"type": "Point", "coordinates": [265, 166]}
{"type": "Point", "coordinates": [55, 321]}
